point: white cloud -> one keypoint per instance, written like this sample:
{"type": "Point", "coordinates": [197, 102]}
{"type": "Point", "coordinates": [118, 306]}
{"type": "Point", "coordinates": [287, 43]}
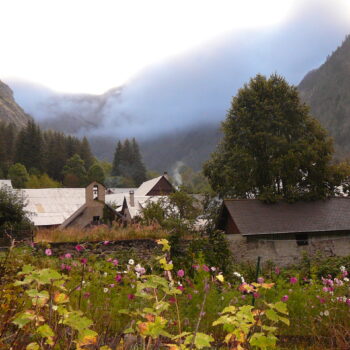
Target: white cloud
{"type": "Point", "coordinates": [91, 46]}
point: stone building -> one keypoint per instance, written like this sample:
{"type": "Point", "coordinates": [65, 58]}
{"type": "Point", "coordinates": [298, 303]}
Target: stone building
{"type": "Point", "coordinates": [282, 232]}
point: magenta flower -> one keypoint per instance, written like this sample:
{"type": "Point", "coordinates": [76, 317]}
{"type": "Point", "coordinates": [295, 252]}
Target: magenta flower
{"type": "Point", "coordinates": [261, 280]}
{"type": "Point", "coordinates": [256, 295]}
{"type": "Point", "coordinates": [322, 300]}
{"type": "Point", "coordinates": [325, 289]}
{"type": "Point", "coordinates": [277, 271]}
{"type": "Point", "coordinates": [348, 301]}
{"type": "Point", "coordinates": [115, 262]}
{"type": "Point", "coordinates": [181, 288]}
{"type": "Point", "coordinates": [118, 278]}
{"type": "Point", "coordinates": [68, 268]}
{"type": "Point", "coordinates": [180, 273]}
{"type": "Point", "coordinates": [111, 285]}
{"type": "Point", "coordinates": [172, 300]}
{"type": "Point", "coordinates": [285, 298]}
{"type": "Point", "coordinates": [106, 242]}
{"type": "Point", "coordinates": [205, 268]}
{"type": "Point", "coordinates": [79, 247]}
{"type": "Point", "coordinates": [68, 255]}
{"type": "Point", "coordinates": [83, 261]}
{"type": "Point", "coordinates": [86, 295]}
{"type": "Point", "coordinates": [109, 260]}
{"type": "Point", "coordinates": [189, 297]}
{"type": "Point", "coordinates": [293, 280]}
{"type": "Point", "coordinates": [48, 251]}
{"type": "Point", "coordinates": [63, 266]}
{"type": "Point", "coordinates": [196, 267]}
{"type": "Point", "coordinates": [131, 296]}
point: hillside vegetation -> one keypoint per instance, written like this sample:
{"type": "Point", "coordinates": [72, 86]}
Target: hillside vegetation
{"type": "Point", "coordinates": [327, 91]}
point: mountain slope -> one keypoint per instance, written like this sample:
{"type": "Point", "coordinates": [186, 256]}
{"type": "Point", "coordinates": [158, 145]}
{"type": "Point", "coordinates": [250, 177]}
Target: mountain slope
{"type": "Point", "coordinates": [327, 91]}
{"type": "Point", "coordinates": [10, 111]}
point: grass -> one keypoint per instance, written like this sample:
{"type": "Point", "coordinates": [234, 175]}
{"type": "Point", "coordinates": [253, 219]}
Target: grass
{"type": "Point", "coordinates": [100, 233]}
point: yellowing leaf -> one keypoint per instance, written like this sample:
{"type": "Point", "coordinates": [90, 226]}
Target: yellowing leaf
{"type": "Point", "coordinates": [33, 346]}
{"type": "Point", "coordinates": [220, 278]}
{"type": "Point", "coordinates": [60, 298]}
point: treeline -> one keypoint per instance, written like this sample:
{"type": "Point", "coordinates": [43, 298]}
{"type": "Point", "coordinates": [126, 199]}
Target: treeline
{"type": "Point", "coordinates": [34, 158]}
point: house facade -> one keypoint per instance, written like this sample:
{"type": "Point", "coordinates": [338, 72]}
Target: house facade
{"type": "Point", "coordinates": [283, 232]}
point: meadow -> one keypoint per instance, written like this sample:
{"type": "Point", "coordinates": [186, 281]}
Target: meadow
{"type": "Point", "coordinates": [82, 300]}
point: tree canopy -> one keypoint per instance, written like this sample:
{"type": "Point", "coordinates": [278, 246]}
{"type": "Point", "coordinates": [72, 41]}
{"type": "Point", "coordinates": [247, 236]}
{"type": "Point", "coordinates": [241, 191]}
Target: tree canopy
{"type": "Point", "coordinates": [272, 148]}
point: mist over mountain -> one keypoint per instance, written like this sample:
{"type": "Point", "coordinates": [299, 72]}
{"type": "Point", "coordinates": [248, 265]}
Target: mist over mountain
{"type": "Point", "coordinates": [174, 108]}
{"type": "Point", "coordinates": [327, 91]}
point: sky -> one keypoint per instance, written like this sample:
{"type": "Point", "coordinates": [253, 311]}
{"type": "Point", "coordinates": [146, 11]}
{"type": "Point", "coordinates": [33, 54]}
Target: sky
{"type": "Point", "coordinates": [88, 46]}
{"type": "Point", "coordinates": [178, 62]}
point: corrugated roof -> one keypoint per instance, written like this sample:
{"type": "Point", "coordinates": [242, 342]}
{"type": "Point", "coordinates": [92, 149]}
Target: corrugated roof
{"type": "Point", "coordinates": [116, 198]}
{"type": "Point", "coordinates": [254, 217]}
{"type": "Point", "coordinates": [147, 186]}
{"type": "Point", "coordinates": [52, 206]}
{"type": "Point", "coordinates": [5, 183]}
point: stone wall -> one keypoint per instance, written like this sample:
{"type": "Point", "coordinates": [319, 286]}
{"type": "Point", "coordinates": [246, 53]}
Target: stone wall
{"type": "Point", "coordinates": [284, 250]}
{"type": "Point", "coordinates": [140, 249]}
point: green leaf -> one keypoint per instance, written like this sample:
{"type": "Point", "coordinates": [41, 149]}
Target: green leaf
{"type": "Point", "coordinates": [24, 318]}
{"type": "Point", "coordinates": [45, 331]}
{"type": "Point", "coordinates": [75, 320]}
{"type": "Point", "coordinates": [33, 346]}
{"type": "Point", "coordinates": [201, 341]}
{"type": "Point", "coordinates": [262, 341]}
{"type": "Point", "coordinates": [229, 309]}
{"type": "Point", "coordinates": [281, 307]}
{"type": "Point", "coordinates": [272, 315]}
{"type": "Point", "coordinates": [285, 320]}
{"type": "Point", "coordinates": [129, 330]}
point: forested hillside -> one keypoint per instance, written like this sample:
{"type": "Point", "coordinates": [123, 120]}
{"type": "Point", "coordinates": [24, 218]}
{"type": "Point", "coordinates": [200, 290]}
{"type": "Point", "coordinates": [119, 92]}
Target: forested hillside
{"type": "Point", "coordinates": [327, 91]}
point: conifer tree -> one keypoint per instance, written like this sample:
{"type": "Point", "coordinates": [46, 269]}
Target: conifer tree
{"type": "Point", "coordinates": [85, 153]}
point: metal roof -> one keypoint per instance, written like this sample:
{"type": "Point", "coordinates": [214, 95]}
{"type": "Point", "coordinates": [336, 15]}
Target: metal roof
{"type": "Point", "coordinates": [5, 183]}
{"type": "Point", "coordinates": [52, 206]}
{"type": "Point", "coordinates": [253, 217]}
{"type": "Point", "coordinates": [147, 186]}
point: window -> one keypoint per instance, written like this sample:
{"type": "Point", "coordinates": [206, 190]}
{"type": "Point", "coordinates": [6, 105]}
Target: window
{"type": "Point", "coordinates": [95, 220]}
{"type": "Point", "coordinates": [95, 192]}
{"type": "Point", "coordinates": [302, 239]}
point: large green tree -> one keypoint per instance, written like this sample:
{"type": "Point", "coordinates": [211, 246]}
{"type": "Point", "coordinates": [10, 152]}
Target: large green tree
{"type": "Point", "coordinates": [74, 172]}
{"type": "Point", "coordinates": [18, 175]}
{"type": "Point", "coordinates": [272, 148]}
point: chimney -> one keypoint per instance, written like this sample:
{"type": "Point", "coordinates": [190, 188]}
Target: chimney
{"type": "Point", "coordinates": [166, 175]}
{"type": "Point", "coordinates": [132, 198]}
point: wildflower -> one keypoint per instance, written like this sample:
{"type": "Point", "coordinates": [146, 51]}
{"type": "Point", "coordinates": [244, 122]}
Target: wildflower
{"type": "Point", "coordinates": [111, 285]}
{"type": "Point", "coordinates": [140, 270]}
{"type": "Point", "coordinates": [105, 274]}
{"type": "Point", "coordinates": [285, 298]}
{"type": "Point", "coordinates": [293, 280]}
{"type": "Point", "coordinates": [67, 255]}
{"type": "Point", "coordinates": [180, 273]}
{"type": "Point", "coordinates": [346, 279]}
{"type": "Point", "coordinates": [109, 260]}
{"type": "Point", "coordinates": [172, 300]}
{"type": "Point", "coordinates": [106, 242]}
{"type": "Point", "coordinates": [131, 262]}
{"type": "Point", "coordinates": [86, 295]}
{"type": "Point", "coordinates": [83, 261]}
{"type": "Point", "coordinates": [205, 268]}
{"type": "Point", "coordinates": [115, 262]}
{"type": "Point", "coordinates": [237, 274]}
{"type": "Point", "coordinates": [74, 264]}
{"type": "Point", "coordinates": [63, 266]}
{"type": "Point", "coordinates": [243, 296]}
{"type": "Point", "coordinates": [131, 296]}
{"type": "Point", "coordinates": [322, 300]}
{"type": "Point", "coordinates": [256, 295]}
{"type": "Point", "coordinates": [189, 297]}
{"type": "Point", "coordinates": [261, 280]}
{"type": "Point", "coordinates": [277, 271]}
{"type": "Point", "coordinates": [48, 251]}
{"type": "Point", "coordinates": [326, 313]}
{"type": "Point", "coordinates": [105, 290]}
{"type": "Point", "coordinates": [196, 267]}
{"type": "Point", "coordinates": [68, 268]}
{"type": "Point", "coordinates": [325, 289]}
{"type": "Point", "coordinates": [180, 288]}
{"type": "Point", "coordinates": [118, 278]}
{"type": "Point", "coordinates": [348, 301]}
{"type": "Point", "coordinates": [79, 247]}
{"type": "Point", "coordinates": [213, 268]}
{"type": "Point", "coordinates": [342, 268]}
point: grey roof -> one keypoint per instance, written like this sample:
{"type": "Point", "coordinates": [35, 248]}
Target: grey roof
{"type": "Point", "coordinates": [5, 183]}
{"type": "Point", "coordinates": [253, 217]}
{"type": "Point", "coordinates": [147, 186]}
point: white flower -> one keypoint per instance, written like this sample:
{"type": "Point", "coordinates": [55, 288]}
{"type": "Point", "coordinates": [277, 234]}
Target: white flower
{"type": "Point", "coordinates": [105, 290]}
{"type": "Point", "coordinates": [131, 262]}
{"type": "Point", "coordinates": [242, 279]}
{"type": "Point", "coordinates": [326, 313]}
{"type": "Point", "coordinates": [213, 268]}
{"type": "Point", "coordinates": [342, 268]}
{"type": "Point", "coordinates": [346, 279]}
{"type": "Point", "coordinates": [105, 274]}
{"type": "Point", "coordinates": [321, 313]}
{"type": "Point", "coordinates": [237, 274]}
{"type": "Point", "coordinates": [83, 282]}
{"type": "Point", "coordinates": [138, 275]}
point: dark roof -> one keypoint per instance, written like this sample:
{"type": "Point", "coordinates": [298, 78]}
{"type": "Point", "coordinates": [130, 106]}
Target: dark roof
{"type": "Point", "coordinates": [253, 217]}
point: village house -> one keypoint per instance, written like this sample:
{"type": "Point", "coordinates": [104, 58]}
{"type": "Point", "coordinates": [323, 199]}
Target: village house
{"type": "Point", "coordinates": [283, 232]}
{"type": "Point", "coordinates": [131, 202]}
{"type": "Point", "coordinates": [68, 207]}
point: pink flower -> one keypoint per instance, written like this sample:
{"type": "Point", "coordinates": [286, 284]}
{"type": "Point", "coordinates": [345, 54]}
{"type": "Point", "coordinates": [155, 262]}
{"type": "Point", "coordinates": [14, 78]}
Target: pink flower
{"type": "Point", "coordinates": [256, 295]}
{"type": "Point", "coordinates": [172, 300]}
{"type": "Point", "coordinates": [63, 266]}
{"type": "Point", "coordinates": [348, 301]}
{"type": "Point", "coordinates": [48, 251]}
{"type": "Point", "coordinates": [293, 280]}
{"type": "Point", "coordinates": [109, 260]}
{"type": "Point", "coordinates": [285, 298]}
{"type": "Point", "coordinates": [277, 271]}
{"type": "Point", "coordinates": [83, 261]}
{"type": "Point", "coordinates": [196, 267]}
{"type": "Point", "coordinates": [111, 285]}
{"type": "Point", "coordinates": [79, 247]}
{"type": "Point", "coordinates": [181, 288]}
{"type": "Point", "coordinates": [325, 289]}
{"type": "Point", "coordinates": [86, 295]}
{"type": "Point", "coordinates": [106, 242]}
{"type": "Point", "coordinates": [131, 296]}
{"type": "Point", "coordinates": [205, 268]}
{"type": "Point", "coordinates": [243, 296]}
{"type": "Point", "coordinates": [68, 268]}
{"type": "Point", "coordinates": [261, 280]}
{"type": "Point", "coordinates": [189, 297]}
{"type": "Point", "coordinates": [322, 300]}
{"type": "Point", "coordinates": [118, 278]}
{"type": "Point", "coordinates": [180, 273]}
{"type": "Point", "coordinates": [67, 256]}
{"type": "Point", "coordinates": [115, 262]}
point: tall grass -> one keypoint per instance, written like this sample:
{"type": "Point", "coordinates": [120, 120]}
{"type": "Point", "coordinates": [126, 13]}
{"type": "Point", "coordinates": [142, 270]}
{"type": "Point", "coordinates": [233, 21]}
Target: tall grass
{"type": "Point", "coordinates": [100, 233]}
